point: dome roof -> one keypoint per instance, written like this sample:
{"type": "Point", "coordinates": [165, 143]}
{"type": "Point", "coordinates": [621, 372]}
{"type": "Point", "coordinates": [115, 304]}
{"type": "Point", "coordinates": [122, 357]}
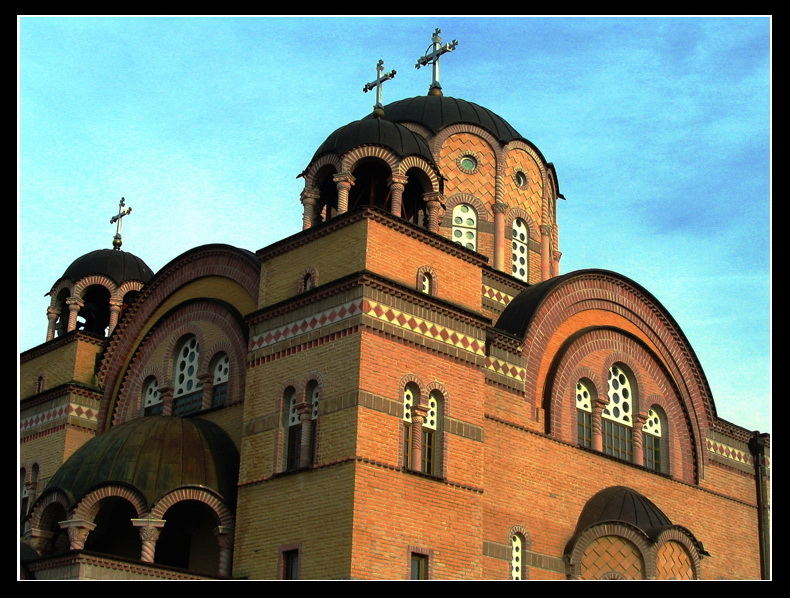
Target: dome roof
{"type": "Point", "coordinates": [155, 455]}
{"type": "Point", "coordinates": [438, 112]}
{"type": "Point", "coordinates": [375, 131]}
{"type": "Point", "coordinates": [623, 505]}
{"type": "Point", "coordinates": [119, 266]}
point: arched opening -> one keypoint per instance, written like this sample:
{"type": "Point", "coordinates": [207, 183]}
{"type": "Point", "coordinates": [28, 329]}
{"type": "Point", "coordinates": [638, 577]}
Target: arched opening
{"type": "Point", "coordinates": [48, 523]}
{"type": "Point", "coordinates": [114, 533]}
{"type": "Point", "coordinates": [152, 397]}
{"type": "Point", "coordinates": [293, 429]}
{"type": "Point", "coordinates": [413, 204]}
{"type": "Point", "coordinates": [24, 497]}
{"type": "Point", "coordinates": [220, 373]}
{"type": "Point", "coordinates": [94, 316]}
{"type": "Point", "coordinates": [187, 539]}
{"type": "Point", "coordinates": [61, 325]}
{"type": "Point", "coordinates": [370, 186]}
{"type": "Point", "coordinates": [327, 194]}
{"type": "Point", "coordinates": [585, 397]}
{"type": "Point", "coordinates": [655, 442]}
{"type": "Point", "coordinates": [187, 387]}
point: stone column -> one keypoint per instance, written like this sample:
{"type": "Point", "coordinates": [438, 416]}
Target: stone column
{"type": "Point", "coordinates": [115, 311]}
{"type": "Point", "coordinates": [598, 406]}
{"type": "Point", "coordinates": [397, 185]}
{"type": "Point", "coordinates": [78, 530]}
{"type": "Point", "coordinates": [224, 535]}
{"type": "Point", "coordinates": [40, 540]}
{"type": "Point", "coordinates": [434, 207]}
{"type": "Point", "coordinates": [638, 439]}
{"type": "Point", "coordinates": [305, 410]}
{"type": "Point", "coordinates": [207, 382]}
{"type": "Point", "coordinates": [149, 534]}
{"type": "Point", "coordinates": [344, 182]}
{"type": "Point", "coordinates": [75, 304]}
{"type": "Point", "coordinates": [309, 200]}
{"type": "Point", "coordinates": [53, 313]}
{"type": "Point", "coordinates": [545, 252]}
{"type": "Point", "coordinates": [418, 414]}
{"type": "Point", "coordinates": [556, 263]}
{"type": "Point", "coordinates": [499, 235]}
{"type": "Point", "coordinates": [166, 392]}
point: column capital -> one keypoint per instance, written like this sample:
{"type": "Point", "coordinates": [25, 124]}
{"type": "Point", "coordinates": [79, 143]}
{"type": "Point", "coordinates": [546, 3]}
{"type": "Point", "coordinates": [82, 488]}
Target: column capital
{"type": "Point", "coordinates": [53, 313]}
{"type": "Point", "coordinates": [72, 301]}
{"type": "Point", "coordinates": [309, 196]}
{"type": "Point", "coordinates": [545, 229]}
{"type": "Point", "coordinates": [398, 179]}
{"type": "Point", "coordinates": [148, 522]}
{"type": "Point", "coordinates": [433, 196]}
{"type": "Point", "coordinates": [343, 178]}
{"type": "Point", "coordinates": [500, 207]}
{"type": "Point", "coordinates": [70, 523]}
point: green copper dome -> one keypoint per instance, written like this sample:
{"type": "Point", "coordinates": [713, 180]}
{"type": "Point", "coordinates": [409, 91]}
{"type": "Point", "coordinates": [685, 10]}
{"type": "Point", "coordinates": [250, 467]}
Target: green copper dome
{"type": "Point", "coordinates": [154, 455]}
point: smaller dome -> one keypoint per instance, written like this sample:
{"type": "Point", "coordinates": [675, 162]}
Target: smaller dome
{"type": "Point", "coordinates": [375, 131]}
{"type": "Point", "coordinates": [623, 505]}
{"type": "Point", "coordinates": [154, 455]}
{"type": "Point", "coordinates": [118, 266]}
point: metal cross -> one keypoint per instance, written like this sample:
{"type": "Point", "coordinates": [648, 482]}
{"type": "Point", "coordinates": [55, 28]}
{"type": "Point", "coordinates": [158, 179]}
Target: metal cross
{"type": "Point", "coordinates": [433, 56]}
{"type": "Point", "coordinates": [122, 211]}
{"type": "Point", "coordinates": [380, 78]}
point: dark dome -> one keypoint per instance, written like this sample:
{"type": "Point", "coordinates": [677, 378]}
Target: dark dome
{"type": "Point", "coordinates": [375, 131]}
{"type": "Point", "coordinates": [515, 318]}
{"type": "Point", "coordinates": [119, 266]}
{"type": "Point", "coordinates": [438, 112]}
{"type": "Point", "coordinates": [623, 505]}
{"type": "Point", "coordinates": [153, 454]}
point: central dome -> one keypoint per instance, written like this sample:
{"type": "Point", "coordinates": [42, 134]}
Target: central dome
{"type": "Point", "coordinates": [437, 112]}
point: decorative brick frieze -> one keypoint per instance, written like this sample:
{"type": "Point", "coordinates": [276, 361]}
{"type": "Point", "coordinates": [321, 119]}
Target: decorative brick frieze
{"type": "Point", "coordinates": [497, 296]}
{"type": "Point", "coordinates": [729, 452]}
{"type": "Point", "coordinates": [69, 412]}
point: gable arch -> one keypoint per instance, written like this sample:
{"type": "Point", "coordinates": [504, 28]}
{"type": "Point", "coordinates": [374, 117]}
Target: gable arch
{"type": "Point", "coordinates": [223, 261]}
{"type": "Point", "coordinates": [352, 158]}
{"type": "Point", "coordinates": [88, 506]}
{"type": "Point", "coordinates": [312, 170]}
{"type": "Point", "coordinates": [423, 166]}
{"type": "Point", "coordinates": [78, 290]}
{"type": "Point", "coordinates": [212, 501]}
{"type": "Point", "coordinates": [548, 314]}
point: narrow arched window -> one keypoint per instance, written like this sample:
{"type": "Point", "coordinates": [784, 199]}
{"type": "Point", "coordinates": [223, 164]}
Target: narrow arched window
{"type": "Point", "coordinates": [653, 433]}
{"type": "Point", "coordinates": [293, 427]}
{"type": "Point", "coordinates": [411, 394]}
{"type": "Point", "coordinates": [517, 557]}
{"type": "Point", "coordinates": [307, 282]}
{"type": "Point", "coordinates": [24, 497]}
{"type": "Point", "coordinates": [40, 383]}
{"type": "Point", "coordinates": [312, 393]}
{"type": "Point", "coordinates": [152, 398]}
{"type": "Point", "coordinates": [431, 439]}
{"type": "Point", "coordinates": [187, 388]}
{"type": "Point", "coordinates": [519, 247]}
{"type": "Point", "coordinates": [220, 372]}
{"type": "Point", "coordinates": [426, 283]}
{"type": "Point", "coordinates": [617, 416]}
{"type": "Point", "coordinates": [584, 397]}
{"type": "Point", "coordinates": [465, 226]}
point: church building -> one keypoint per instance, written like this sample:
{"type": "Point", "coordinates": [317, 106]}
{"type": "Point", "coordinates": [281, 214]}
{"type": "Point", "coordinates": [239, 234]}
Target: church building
{"type": "Point", "coordinates": [407, 388]}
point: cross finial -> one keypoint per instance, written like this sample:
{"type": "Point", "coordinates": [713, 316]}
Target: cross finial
{"type": "Point", "coordinates": [432, 54]}
{"type": "Point", "coordinates": [380, 78]}
{"type": "Point", "coordinates": [122, 211]}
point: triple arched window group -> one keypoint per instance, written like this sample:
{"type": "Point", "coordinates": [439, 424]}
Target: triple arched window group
{"type": "Point", "coordinates": [300, 421]}
{"type": "Point", "coordinates": [616, 429]}
{"type": "Point", "coordinates": [422, 429]}
{"type": "Point", "coordinates": [189, 394]}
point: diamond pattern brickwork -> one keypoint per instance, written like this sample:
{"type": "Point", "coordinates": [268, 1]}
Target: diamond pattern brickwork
{"type": "Point", "coordinates": [479, 183]}
{"type": "Point", "coordinates": [611, 554]}
{"type": "Point", "coordinates": [673, 562]}
{"type": "Point", "coordinates": [529, 197]}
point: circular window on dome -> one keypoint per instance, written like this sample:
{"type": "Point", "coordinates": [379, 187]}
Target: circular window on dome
{"type": "Point", "coordinates": [468, 163]}
{"type": "Point", "coordinates": [521, 179]}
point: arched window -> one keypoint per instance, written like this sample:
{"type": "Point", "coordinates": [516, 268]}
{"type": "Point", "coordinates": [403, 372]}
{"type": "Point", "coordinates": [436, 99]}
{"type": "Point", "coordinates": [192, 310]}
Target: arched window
{"type": "Point", "coordinates": [517, 556]}
{"type": "Point", "coordinates": [411, 394]}
{"type": "Point", "coordinates": [585, 394]}
{"type": "Point", "coordinates": [24, 497]}
{"type": "Point", "coordinates": [617, 418]}
{"type": "Point", "coordinates": [188, 390]}
{"type": "Point", "coordinates": [152, 398]}
{"type": "Point", "coordinates": [520, 254]}
{"type": "Point", "coordinates": [431, 439]}
{"type": "Point", "coordinates": [293, 426]}
{"type": "Point", "coordinates": [312, 393]}
{"type": "Point", "coordinates": [307, 281]}
{"type": "Point", "coordinates": [653, 433]}
{"type": "Point", "coordinates": [220, 373]}
{"type": "Point", "coordinates": [465, 226]}
{"type": "Point", "coordinates": [426, 283]}
{"type": "Point", "coordinates": [40, 383]}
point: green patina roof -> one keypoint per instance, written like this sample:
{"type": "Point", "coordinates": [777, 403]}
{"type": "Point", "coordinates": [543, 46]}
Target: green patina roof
{"type": "Point", "coordinates": [154, 455]}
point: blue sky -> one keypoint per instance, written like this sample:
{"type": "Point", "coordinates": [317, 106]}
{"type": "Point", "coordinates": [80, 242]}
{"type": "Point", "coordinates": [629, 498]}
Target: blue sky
{"type": "Point", "coordinates": [659, 129]}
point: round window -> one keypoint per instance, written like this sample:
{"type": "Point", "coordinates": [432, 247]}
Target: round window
{"type": "Point", "coordinates": [468, 163]}
{"type": "Point", "coordinates": [521, 179]}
